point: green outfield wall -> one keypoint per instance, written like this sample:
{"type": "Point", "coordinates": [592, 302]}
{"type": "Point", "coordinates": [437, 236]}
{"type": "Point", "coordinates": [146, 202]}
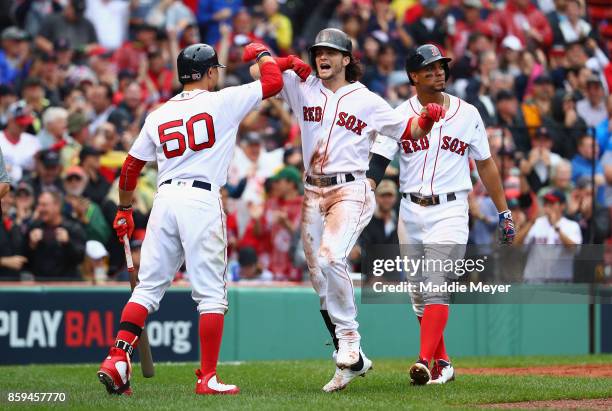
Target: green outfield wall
{"type": "Point", "coordinates": [54, 324]}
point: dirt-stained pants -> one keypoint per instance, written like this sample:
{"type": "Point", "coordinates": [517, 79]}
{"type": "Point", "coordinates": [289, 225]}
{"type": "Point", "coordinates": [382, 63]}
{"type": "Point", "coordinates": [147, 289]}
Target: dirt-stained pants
{"type": "Point", "coordinates": [332, 220]}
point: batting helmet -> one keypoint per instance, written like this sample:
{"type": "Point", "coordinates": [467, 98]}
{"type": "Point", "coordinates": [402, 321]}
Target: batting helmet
{"type": "Point", "coordinates": [332, 38]}
{"type": "Point", "coordinates": [424, 56]}
{"type": "Point", "coordinates": [194, 61]}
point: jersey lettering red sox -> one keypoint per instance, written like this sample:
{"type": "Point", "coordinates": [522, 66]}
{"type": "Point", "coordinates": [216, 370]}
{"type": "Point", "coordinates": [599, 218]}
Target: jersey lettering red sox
{"type": "Point", "coordinates": [438, 163]}
{"type": "Point", "coordinates": [338, 129]}
{"type": "Point", "coordinates": [193, 135]}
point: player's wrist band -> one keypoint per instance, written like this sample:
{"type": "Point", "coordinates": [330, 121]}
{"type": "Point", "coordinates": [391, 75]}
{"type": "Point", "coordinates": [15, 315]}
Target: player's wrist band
{"type": "Point", "coordinates": [125, 346]}
{"type": "Point", "coordinates": [262, 54]}
{"type": "Point", "coordinates": [124, 208]}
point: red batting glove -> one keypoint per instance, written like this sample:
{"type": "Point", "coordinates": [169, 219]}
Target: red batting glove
{"type": "Point", "coordinates": [124, 223]}
{"type": "Point", "coordinates": [252, 51]}
{"type": "Point", "coordinates": [302, 69]}
{"type": "Point", "coordinates": [432, 114]}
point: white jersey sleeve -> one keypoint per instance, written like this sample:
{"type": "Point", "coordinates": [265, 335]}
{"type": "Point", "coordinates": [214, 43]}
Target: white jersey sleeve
{"type": "Point", "coordinates": [144, 148]}
{"type": "Point", "coordinates": [573, 232]}
{"type": "Point", "coordinates": [385, 147]}
{"type": "Point", "coordinates": [291, 88]}
{"type": "Point", "coordinates": [241, 100]}
{"type": "Point", "coordinates": [479, 144]}
{"type": "Point", "coordinates": [387, 121]}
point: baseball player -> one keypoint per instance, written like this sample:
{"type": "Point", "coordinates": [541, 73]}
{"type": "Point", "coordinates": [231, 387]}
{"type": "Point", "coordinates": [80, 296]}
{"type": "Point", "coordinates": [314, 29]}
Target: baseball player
{"type": "Point", "coordinates": [435, 181]}
{"type": "Point", "coordinates": [339, 119]}
{"type": "Point", "coordinates": [192, 138]}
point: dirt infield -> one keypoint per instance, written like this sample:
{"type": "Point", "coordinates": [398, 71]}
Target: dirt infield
{"type": "Point", "coordinates": [596, 404]}
{"type": "Point", "coordinates": [586, 370]}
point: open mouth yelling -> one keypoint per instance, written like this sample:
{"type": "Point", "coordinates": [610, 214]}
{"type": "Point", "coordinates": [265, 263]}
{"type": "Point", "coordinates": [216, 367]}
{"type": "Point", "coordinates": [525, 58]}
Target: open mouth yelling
{"type": "Point", "coordinates": [324, 67]}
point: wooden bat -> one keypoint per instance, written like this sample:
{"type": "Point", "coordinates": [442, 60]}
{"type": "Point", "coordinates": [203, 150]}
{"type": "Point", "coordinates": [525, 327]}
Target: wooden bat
{"type": "Point", "coordinates": [144, 349]}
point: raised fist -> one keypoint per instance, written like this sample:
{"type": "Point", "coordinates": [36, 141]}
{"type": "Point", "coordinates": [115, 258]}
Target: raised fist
{"type": "Point", "coordinates": [433, 112]}
{"type": "Point", "coordinates": [300, 68]}
{"type": "Point", "coordinates": [252, 51]}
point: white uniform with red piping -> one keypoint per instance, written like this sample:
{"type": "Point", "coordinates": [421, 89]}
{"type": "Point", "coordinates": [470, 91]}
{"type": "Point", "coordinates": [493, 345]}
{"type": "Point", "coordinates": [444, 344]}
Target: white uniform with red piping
{"type": "Point", "coordinates": [192, 137]}
{"type": "Point", "coordinates": [338, 130]}
{"type": "Point", "coordinates": [437, 164]}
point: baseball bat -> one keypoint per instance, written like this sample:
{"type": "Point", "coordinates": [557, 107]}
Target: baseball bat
{"type": "Point", "coordinates": [144, 349]}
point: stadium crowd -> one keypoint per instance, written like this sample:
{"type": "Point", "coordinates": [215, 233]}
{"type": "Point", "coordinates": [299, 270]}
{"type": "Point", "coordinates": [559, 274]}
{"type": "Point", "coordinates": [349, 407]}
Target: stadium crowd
{"type": "Point", "coordinates": [78, 77]}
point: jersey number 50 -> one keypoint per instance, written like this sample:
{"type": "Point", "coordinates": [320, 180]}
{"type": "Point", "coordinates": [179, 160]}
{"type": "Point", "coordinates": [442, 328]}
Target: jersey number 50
{"type": "Point", "coordinates": [180, 137]}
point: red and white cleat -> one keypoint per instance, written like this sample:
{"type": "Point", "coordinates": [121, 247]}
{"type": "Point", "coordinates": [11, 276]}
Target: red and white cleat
{"type": "Point", "coordinates": [115, 372]}
{"type": "Point", "coordinates": [210, 385]}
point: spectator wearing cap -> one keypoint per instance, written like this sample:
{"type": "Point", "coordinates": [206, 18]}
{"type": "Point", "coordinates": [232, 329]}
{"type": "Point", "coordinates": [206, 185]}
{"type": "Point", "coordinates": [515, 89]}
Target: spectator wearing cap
{"type": "Point", "coordinates": [110, 20]}
{"type": "Point", "coordinates": [78, 129]}
{"type": "Point", "coordinates": [249, 268]}
{"type": "Point", "coordinates": [160, 78]}
{"type": "Point", "coordinates": [70, 24]}
{"type": "Point", "coordinates": [509, 116]}
{"type": "Point", "coordinates": [18, 146]}
{"type": "Point", "coordinates": [48, 170]}
{"type": "Point", "coordinates": [467, 65]}
{"type": "Point", "coordinates": [511, 47]}
{"type": "Point", "coordinates": [171, 15]}
{"type": "Point", "coordinates": [573, 27]}
{"type": "Point", "coordinates": [583, 162]}
{"type": "Point", "coordinates": [524, 20]}
{"type": "Point", "coordinates": [13, 55]}
{"type": "Point", "coordinates": [211, 14]}
{"type": "Point", "coordinates": [281, 224]}
{"type": "Point", "coordinates": [537, 108]}
{"type": "Point", "coordinates": [95, 266]}
{"type": "Point", "coordinates": [382, 229]}
{"type": "Point", "coordinates": [97, 186]}
{"type": "Point", "coordinates": [537, 166]}
{"type": "Point", "coordinates": [592, 108]}
{"type": "Point", "coordinates": [24, 206]}
{"type": "Point", "coordinates": [569, 125]}
{"type": "Point", "coordinates": [552, 240]}
{"type": "Point", "coordinates": [54, 245]}
{"type": "Point", "coordinates": [54, 134]}
{"type": "Point", "coordinates": [83, 209]}
{"type": "Point", "coordinates": [131, 108]}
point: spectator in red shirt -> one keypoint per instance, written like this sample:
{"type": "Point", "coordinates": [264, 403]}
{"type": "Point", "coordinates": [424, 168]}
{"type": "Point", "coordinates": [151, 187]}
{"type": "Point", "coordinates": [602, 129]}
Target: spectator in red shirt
{"type": "Point", "coordinates": [523, 20]}
{"type": "Point", "coordinates": [281, 223]}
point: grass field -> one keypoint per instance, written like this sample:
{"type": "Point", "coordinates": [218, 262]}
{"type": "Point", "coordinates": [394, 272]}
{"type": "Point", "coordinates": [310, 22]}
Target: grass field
{"type": "Point", "coordinates": [297, 384]}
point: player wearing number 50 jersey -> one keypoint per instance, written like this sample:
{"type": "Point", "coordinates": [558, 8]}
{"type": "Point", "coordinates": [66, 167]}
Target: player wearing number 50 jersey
{"type": "Point", "coordinates": [435, 181]}
{"type": "Point", "coordinates": [192, 138]}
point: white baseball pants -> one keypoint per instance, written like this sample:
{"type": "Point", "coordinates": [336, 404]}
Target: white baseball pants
{"type": "Point", "coordinates": [186, 224]}
{"type": "Point", "coordinates": [332, 220]}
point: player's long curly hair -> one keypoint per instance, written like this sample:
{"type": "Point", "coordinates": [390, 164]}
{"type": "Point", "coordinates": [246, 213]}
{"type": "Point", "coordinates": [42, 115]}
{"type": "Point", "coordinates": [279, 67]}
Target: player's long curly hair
{"type": "Point", "coordinates": [354, 70]}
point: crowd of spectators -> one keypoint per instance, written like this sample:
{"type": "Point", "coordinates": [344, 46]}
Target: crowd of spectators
{"type": "Point", "coordinates": [78, 77]}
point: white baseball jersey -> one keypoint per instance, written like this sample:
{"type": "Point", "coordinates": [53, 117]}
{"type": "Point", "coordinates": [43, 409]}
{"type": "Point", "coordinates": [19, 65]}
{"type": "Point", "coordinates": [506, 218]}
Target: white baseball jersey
{"type": "Point", "coordinates": [438, 163]}
{"type": "Point", "coordinates": [193, 135]}
{"type": "Point", "coordinates": [338, 129]}
{"type": "Point", "coordinates": [547, 262]}
{"type": "Point", "coordinates": [19, 156]}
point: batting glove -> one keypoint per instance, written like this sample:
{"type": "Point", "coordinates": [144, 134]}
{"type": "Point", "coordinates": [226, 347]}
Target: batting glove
{"type": "Point", "coordinates": [124, 222]}
{"type": "Point", "coordinates": [254, 51]}
{"type": "Point", "coordinates": [431, 114]}
{"type": "Point", "coordinates": [300, 68]}
{"type": "Point", "coordinates": [506, 226]}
